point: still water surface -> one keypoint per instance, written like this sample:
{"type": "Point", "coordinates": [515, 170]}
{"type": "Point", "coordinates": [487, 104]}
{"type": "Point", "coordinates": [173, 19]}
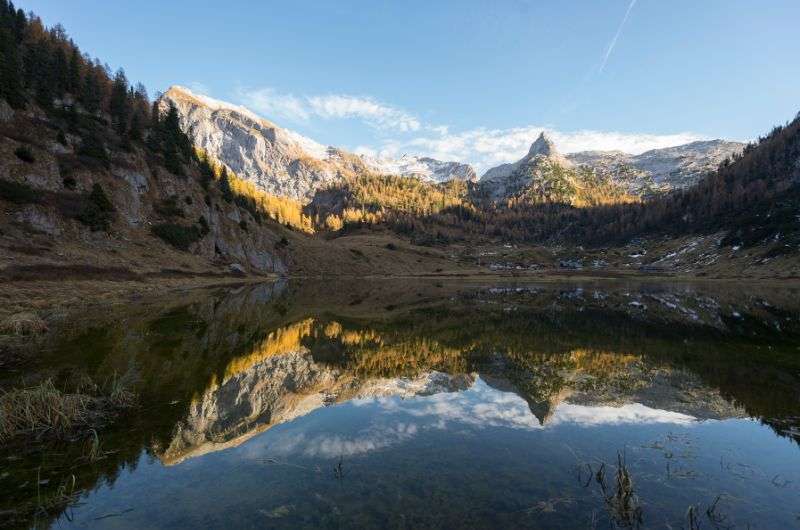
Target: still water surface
{"type": "Point", "coordinates": [599, 405]}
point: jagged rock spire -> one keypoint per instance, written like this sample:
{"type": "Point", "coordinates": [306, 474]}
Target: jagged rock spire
{"type": "Point", "coordinates": [543, 146]}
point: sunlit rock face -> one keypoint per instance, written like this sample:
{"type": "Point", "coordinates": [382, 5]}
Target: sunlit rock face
{"type": "Point", "coordinates": [652, 172]}
{"type": "Point", "coordinates": [280, 161]}
{"type": "Point", "coordinates": [276, 160]}
{"type": "Point", "coordinates": [660, 170]}
{"type": "Point", "coordinates": [508, 179]}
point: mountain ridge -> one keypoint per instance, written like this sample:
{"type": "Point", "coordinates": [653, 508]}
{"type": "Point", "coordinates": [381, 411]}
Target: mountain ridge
{"type": "Point", "coordinates": [280, 161]}
{"type": "Point", "coordinates": [654, 171]}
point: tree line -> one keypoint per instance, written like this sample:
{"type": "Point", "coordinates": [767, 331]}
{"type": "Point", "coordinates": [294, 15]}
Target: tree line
{"type": "Point", "coordinates": [751, 196]}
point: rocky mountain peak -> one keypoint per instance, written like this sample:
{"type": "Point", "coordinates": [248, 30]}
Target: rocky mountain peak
{"type": "Point", "coordinates": [280, 161]}
{"type": "Point", "coordinates": [543, 146]}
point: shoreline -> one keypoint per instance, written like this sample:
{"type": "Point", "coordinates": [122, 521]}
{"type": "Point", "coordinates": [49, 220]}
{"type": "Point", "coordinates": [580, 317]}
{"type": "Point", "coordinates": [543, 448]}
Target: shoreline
{"type": "Point", "coordinates": [52, 297]}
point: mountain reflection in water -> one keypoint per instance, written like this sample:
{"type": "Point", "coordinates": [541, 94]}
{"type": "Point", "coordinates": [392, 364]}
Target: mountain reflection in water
{"type": "Point", "coordinates": [441, 405]}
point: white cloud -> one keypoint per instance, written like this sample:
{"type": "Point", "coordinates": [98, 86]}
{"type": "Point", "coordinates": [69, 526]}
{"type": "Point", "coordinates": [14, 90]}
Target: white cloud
{"type": "Point", "coordinates": [374, 113]}
{"type": "Point", "coordinates": [331, 106]}
{"type": "Point", "coordinates": [199, 88]}
{"type": "Point", "coordinates": [271, 103]}
{"type": "Point", "coordinates": [483, 406]}
{"type": "Point", "coordinates": [333, 445]}
{"type": "Point", "coordinates": [485, 148]}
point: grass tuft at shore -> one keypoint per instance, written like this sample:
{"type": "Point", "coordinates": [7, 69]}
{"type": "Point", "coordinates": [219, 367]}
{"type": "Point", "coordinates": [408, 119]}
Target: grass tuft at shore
{"type": "Point", "coordinates": [45, 411]}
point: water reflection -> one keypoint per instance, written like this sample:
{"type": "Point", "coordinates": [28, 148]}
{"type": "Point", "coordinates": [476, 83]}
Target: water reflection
{"type": "Point", "coordinates": [440, 394]}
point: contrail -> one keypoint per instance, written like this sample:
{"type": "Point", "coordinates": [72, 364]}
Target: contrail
{"type": "Point", "coordinates": [614, 40]}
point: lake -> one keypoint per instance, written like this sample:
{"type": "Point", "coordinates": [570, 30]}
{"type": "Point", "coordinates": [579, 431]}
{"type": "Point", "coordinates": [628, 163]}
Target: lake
{"type": "Point", "coordinates": [422, 404]}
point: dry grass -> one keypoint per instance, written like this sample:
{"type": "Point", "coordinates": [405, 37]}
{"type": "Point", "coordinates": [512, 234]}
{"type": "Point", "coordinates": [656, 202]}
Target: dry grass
{"type": "Point", "coordinates": [44, 410]}
{"type": "Point", "coordinates": [23, 324]}
{"type": "Point", "coordinates": [622, 502]}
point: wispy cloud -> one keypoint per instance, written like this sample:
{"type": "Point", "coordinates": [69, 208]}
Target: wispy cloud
{"type": "Point", "coordinates": [613, 43]}
{"type": "Point", "coordinates": [374, 113]}
{"type": "Point", "coordinates": [199, 88]}
{"type": "Point", "coordinates": [273, 104]}
{"type": "Point", "coordinates": [329, 106]}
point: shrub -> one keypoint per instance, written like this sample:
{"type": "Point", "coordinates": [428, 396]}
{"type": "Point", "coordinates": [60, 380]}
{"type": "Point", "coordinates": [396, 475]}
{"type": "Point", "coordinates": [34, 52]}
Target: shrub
{"type": "Point", "coordinates": [173, 165]}
{"type": "Point", "coordinates": [61, 138]}
{"type": "Point", "coordinates": [98, 212]}
{"type": "Point", "coordinates": [70, 183]}
{"type": "Point", "coordinates": [204, 228]}
{"type": "Point", "coordinates": [92, 147]}
{"type": "Point", "coordinates": [179, 236]}
{"type": "Point", "coordinates": [17, 193]}
{"type": "Point", "coordinates": [25, 154]}
{"type": "Point", "coordinates": [169, 207]}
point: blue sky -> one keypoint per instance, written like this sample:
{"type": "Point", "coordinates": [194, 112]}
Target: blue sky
{"type": "Point", "coordinates": [471, 80]}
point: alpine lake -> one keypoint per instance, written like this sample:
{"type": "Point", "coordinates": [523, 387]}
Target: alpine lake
{"type": "Point", "coordinates": [429, 404]}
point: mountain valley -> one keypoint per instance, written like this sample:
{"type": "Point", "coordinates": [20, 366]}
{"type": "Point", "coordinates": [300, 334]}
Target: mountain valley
{"type": "Point", "coordinates": [98, 183]}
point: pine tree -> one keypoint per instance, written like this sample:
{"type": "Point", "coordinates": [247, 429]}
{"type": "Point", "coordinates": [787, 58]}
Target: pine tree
{"type": "Point", "coordinates": [60, 72]}
{"type": "Point", "coordinates": [20, 23]}
{"type": "Point", "coordinates": [10, 70]}
{"type": "Point", "coordinates": [225, 185]}
{"type": "Point", "coordinates": [91, 95]}
{"type": "Point", "coordinates": [119, 105]}
{"type": "Point", "coordinates": [136, 129]}
{"type": "Point", "coordinates": [74, 72]}
{"type": "Point", "coordinates": [206, 172]}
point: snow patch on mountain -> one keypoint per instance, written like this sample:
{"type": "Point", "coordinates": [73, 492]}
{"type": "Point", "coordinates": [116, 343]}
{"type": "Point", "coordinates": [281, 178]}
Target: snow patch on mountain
{"type": "Point", "coordinates": [668, 168]}
{"type": "Point", "coordinates": [424, 168]}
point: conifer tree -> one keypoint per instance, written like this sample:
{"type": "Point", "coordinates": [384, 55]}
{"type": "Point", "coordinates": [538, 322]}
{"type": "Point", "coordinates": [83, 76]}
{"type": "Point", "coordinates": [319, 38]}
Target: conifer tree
{"type": "Point", "coordinates": [119, 106]}
{"type": "Point", "coordinates": [60, 72]}
{"type": "Point", "coordinates": [74, 72]}
{"type": "Point", "coordinates": [91, 95]}
{"type": "Point", "coordinates": [225, 185]}
{"type": "Point", "coordinates": [11, 88]}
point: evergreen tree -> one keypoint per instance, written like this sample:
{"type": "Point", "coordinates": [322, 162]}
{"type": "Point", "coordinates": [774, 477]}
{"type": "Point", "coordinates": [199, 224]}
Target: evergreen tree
{"type": "Point", "coordinates": [225, 185]}
{"type": "Point", "coordinates": [20, 23]}
{"type": "Point", "coordinates": [11, 88]}
{"type": "Point", "coordinates": [136, 129]}
{"type": "Point", "coordinates": [206, 172]}
{"type": "Point", "coordinates": [98, 211]}
{"type": "Point", "coordinates": [60, 72]}
{"type": "Point", "coordinates": [91, 95]}
{"type": "Point", "coordinates": [74, 72]}
{"type": "Point", "coordinates": [119, 105]}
